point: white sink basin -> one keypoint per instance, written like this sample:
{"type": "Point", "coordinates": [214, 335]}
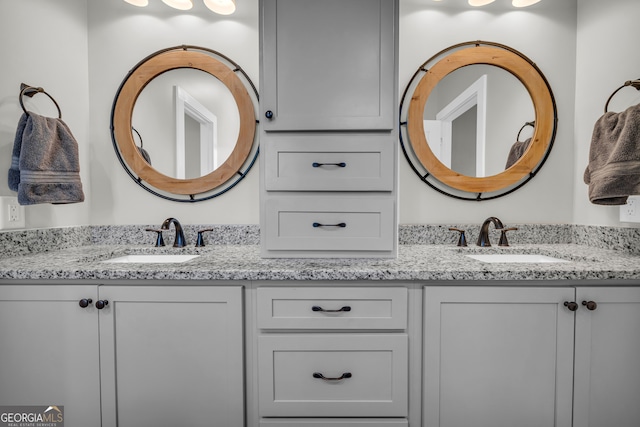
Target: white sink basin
{"type": "Point", "coordinates": [152, 258]}
{"type": "Point", "coordinates": [519, 258]}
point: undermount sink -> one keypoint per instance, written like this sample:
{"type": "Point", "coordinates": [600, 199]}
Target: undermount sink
{"type": "Point", "coordinates": [516, 258]}
{"type": "Point", "coordinates": [152, 258]}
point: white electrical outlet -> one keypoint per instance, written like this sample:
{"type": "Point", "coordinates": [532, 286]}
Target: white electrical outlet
{"type": "Point", "coordinates": [11, 213]}
{"type": "Point", "coordinates": [631, 211]}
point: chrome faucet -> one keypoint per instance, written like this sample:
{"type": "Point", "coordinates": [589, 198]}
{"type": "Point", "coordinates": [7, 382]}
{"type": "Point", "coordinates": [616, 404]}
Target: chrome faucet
{"type": "Point", "coordinates": [483, 238]}
{"type": "Point", "coordinates": [179, 241]}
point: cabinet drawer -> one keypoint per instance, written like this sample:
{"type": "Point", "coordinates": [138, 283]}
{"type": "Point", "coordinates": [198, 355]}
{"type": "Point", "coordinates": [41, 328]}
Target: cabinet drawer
{"type": "Point", "coordinates": [332, 308]}
{"type": "Point", "coordinates": [330, 223]}
{"type": "Point", "coordinates": [336, 422]}
{"type": "Point", "coordinates": [374, 368]}
{"type": "Point", "coordinates": [329, 162]}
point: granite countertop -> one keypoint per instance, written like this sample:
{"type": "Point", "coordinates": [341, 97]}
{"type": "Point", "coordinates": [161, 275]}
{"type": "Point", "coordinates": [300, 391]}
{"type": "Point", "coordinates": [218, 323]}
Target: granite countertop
{"type": "Point", "coordinates": [243, 262]}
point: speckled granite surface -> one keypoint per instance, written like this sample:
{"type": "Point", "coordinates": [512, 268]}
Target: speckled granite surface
{"type": "Point", "coordinates": [526, 234]}
{"type": "Point", "coordinates": [24, 242]}
{"type": "Point", "coordinates": [136, 234]}
{"type": "Point", "coordinates": [426, 253]}
{"type": "Point", "coordinates": [243, 262]}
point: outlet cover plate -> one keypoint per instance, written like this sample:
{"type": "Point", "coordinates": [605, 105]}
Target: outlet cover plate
{"type": "Point", "coordinates": [11, 213]}
{"type": "Point", "coordinates": [631, 211]}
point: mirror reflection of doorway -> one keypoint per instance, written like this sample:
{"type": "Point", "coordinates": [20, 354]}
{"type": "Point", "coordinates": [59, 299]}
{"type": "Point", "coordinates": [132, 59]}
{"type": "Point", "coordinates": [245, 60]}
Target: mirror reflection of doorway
{"type": "Point", "coordinates": [196, 137]}
{"type": "Point", "coordinates": [457, 137]}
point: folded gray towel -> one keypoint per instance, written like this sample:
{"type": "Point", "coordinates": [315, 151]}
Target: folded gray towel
{"type": "Point", "coordinates": [517, 150]}
{"type": "Point", "coordinates": [613, 173]}
{"type": "Point", "coordinates": [49, 163]}
{"type": "Point", "coordinates": [14, 170]}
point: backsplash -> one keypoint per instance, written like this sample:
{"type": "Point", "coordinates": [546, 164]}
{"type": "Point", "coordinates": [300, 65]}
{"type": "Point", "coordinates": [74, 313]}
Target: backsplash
{"type": "Point", "coordinates": [616, 238]}
{"type": "Point", "coordinates": [136, 234]}
{"type": "Point", "coordinates": [425, 234]}
{"type": "Point", "coordinates": [23, 242]}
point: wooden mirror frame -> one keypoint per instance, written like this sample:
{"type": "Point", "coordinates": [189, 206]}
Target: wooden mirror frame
{"type": "Point", "coordinates": [121, 123]}
{"type": "Point", "coordinates": [462, 55]}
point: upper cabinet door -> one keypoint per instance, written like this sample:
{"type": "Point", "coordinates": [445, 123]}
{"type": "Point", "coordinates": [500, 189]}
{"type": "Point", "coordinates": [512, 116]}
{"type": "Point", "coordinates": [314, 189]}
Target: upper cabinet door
{"type": "Point", "coordinates": [328, 65]}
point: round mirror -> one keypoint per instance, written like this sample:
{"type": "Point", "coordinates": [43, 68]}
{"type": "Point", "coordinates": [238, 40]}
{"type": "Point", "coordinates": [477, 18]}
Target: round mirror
{"type": "Point", "coordinates": [480, 118]}
{"type": "Point", "coordinates": [183, 123]}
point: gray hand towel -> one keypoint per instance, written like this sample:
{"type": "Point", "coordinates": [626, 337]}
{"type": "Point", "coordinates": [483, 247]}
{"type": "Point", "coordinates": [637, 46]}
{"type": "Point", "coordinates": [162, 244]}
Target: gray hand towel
{"type": "Point", "coordinates": [14, 170]}
{"type": "Point", "coordinates": [516, 151]}
{"type": "Point", "coordinates": [613, 173]}
{"type": "Point", "coordinates": [49, 163]}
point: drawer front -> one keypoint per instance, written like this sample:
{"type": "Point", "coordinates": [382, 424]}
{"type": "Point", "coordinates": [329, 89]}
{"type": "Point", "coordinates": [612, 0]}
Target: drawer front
{"type": "Point", "coordinates": [332, 308]}
{"type": "Point", "coordinates": [298, 375]}
{"type": "Point", "coordinates": [330, 223]}
{"type": "Point", "coordinates": [338, 422]}
{"type": "Point", "coordinates": [329, 163]}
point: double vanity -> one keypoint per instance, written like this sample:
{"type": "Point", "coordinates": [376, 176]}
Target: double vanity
{"type": "Point", "coordinates": [329, 313]}
{"type": "Point", "coordinates": [120, 336]}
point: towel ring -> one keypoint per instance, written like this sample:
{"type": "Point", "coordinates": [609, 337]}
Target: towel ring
{"type": "Point", "coordinates": [634, 83]}
{"type": "Point", "coordinates": [30, 91]}
{"type": "Point", "coordinates": [532, 124]}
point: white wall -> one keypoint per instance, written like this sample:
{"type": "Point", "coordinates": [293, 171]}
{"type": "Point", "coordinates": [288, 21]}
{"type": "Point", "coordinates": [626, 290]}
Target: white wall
{"type": "Point", "coordinates": [44, 43]}
{"type": "Point", "coordinates": [607, 56]}
{"type": "Point", "coordinates": [546, 34]}
{"type": "Point", "coordinates": [80, 50]}
{"type": "Point", "coordinates": [120, 35]}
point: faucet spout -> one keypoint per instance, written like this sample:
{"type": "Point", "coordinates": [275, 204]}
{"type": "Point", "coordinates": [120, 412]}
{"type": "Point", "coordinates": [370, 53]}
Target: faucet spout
{"type": "Point", "coordinates": [179, 241]}
{"type": "Point", "coordinates": [483, 237]}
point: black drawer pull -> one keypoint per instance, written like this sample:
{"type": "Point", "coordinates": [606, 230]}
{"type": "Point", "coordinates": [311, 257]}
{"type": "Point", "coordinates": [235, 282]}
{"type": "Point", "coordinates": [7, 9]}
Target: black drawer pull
{"type": "Point", "coordinates": [317, 308]}
{"type": "Point", "coordinates": [322, 377]}
{"type": "Point", "coordinates": [341, 164]}
{"type": "Point", "coordinates": [341, 225]}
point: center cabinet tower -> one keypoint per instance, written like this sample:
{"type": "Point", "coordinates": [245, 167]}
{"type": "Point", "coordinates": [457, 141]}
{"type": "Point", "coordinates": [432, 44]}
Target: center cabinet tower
{"type": "Point", "coordinates": [328, 128]}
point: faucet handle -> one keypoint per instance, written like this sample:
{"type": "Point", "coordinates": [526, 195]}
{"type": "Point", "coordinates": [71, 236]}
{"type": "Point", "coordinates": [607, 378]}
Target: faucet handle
{"type": "Point", "coordinates": [159, 239]}
{"type": "Point", "coordinates": [462, 241]}
{"type": "Point", "coordinates": [503, 235]}
{"type": "Point", "coordinates": [200, 239]}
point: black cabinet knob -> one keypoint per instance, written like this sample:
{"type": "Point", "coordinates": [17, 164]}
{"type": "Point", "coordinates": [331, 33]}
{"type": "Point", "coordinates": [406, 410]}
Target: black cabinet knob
{"type": "Point", "coordinates": [102, 303]}
{"type": "Point", "coordinates": [85, 302]}
{"type": "Point", "coordinates": [572, 306]}
{"type": "Point", "coordinates": [269, 114]}
{"type": "Point", "coordinates": [591, 305]}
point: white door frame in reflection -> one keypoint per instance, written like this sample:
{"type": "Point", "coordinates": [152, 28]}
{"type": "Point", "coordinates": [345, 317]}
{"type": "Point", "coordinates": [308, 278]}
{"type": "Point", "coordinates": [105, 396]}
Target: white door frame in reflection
{"type": "Point", "coordinates": [187, 105]}
{"type": "Point", "coordinates": [442, 127]}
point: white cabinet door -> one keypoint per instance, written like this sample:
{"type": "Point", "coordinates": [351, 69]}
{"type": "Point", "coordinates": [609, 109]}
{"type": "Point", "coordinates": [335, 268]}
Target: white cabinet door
{"type": "Point", "coordinates": [497, 357]}
{"type": "Point", "coordinates": [172, 356]}
{"type": "Point", "coordinates": [49, 350]}
{"type": "Point", "coordinates": [328, 65]}
{"type": "Point", "coordinates": [607, 372]}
